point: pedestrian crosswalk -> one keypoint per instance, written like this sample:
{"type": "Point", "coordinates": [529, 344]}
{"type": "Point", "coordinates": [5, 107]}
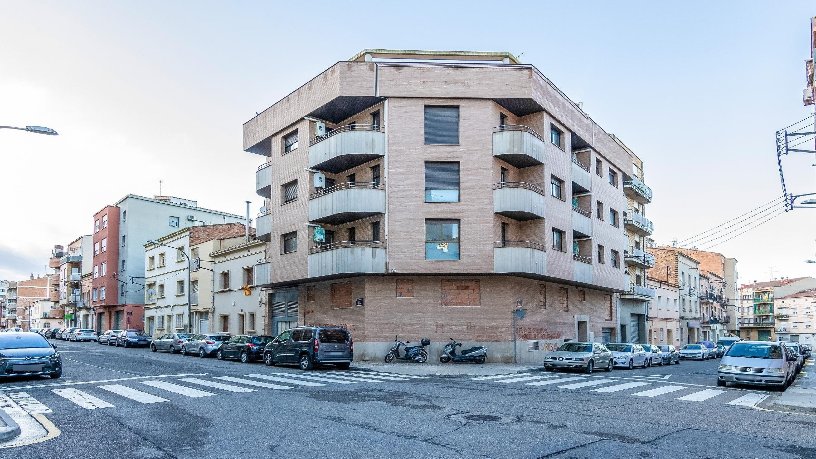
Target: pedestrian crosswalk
{"type": "Point", "coordinates": [651, 387]}
{"type": "Point", "coordinates": [164, 388]}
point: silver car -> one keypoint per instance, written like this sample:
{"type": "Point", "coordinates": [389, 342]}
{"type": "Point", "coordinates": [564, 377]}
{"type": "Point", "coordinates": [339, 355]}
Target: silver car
{"type": "Point", "coordinates": [764, 363]}
{"type": "Point", "coordinates": [653, 352]}
{"type": "Point", "coordinates": [629, 355]}
{"type": "Point", "coordinates": [107, 336]}
{"type": "Point", "coordinates": [582, 356]}
{"type": "Point", "coordinates": [204, 345]}
{"type": "Point", "coordinates": [170, 342]}
{"type": "Point", "coordinates": [82, 334]}
{"type": "Point", "coordinates": [694, 351]}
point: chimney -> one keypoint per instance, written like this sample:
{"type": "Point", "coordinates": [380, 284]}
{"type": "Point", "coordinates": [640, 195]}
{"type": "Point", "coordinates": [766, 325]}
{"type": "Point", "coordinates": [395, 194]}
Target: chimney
{"type": "Point", "coordinates": [246, 227]}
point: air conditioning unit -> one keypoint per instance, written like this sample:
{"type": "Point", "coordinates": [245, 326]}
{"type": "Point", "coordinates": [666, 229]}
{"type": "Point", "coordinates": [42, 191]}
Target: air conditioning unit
{"type": "Point", "coordinates": [320, 129]}
{"type": "Point", "coordinates": [191, 218]}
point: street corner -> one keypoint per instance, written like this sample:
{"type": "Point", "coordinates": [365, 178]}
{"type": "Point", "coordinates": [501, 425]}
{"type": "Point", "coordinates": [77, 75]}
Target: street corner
{"type": "Point", "coordinates": [25, 421]}
{"type": "Point", "coordinates": [799, 400]}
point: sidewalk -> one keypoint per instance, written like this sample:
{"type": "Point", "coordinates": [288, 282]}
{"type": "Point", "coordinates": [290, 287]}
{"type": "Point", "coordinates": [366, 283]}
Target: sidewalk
{"type": "Point", "coordinates": [802, 394]}
{"type": "Point", "coordinates": [446, 369]}
{"type": "Point", "coordinates": [9, 429]}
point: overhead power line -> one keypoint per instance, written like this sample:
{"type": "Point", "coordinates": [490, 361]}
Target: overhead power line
{"type": "Point", "coordinates": [725, 231]}
{"type": "Point", "coordinates": [758, 209]}
{"type": "Point", "coordinates": [748, 229]}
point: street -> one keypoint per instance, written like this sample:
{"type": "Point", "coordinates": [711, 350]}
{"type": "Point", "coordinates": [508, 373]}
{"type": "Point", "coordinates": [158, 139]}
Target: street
{"type": "Point", "coordinates": [159, 405]}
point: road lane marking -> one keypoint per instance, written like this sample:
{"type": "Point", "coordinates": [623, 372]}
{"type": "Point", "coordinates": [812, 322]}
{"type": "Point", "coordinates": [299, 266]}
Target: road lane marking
{"type": "Point", "coordinates": [508, 375]}
{"type": "Point", "coordinates": [659, 391]}
{"type": "Point", "coordinates": [357, 374]}
{"type": "Point", "coordinates": [102, 381]}
{"type": "Point", "coordinates": [296, 382]}
{"type": "Point", "coordinates": [314, 378]}
{"type": "Point", "coordinates": [354, 378]}
{"type": "Point", "coordinates": [523, 378]}
{"type": "Point", "coordinates": [594, 382]}
{"type": "Point", "coordinates": [391, 374]}
{"type": "Point", "coordinates": [217, 385]}
{"type": "Point", "coordinates": [250, 382]}
{"type": "Point", "coordinates": [620, 387]}
{"type": "Point", "coordinates": [749, 400]}
{"type": "Point", "coordinates": [82, 399]}
{"type": "Point", "coordinates": [29, 403]}
{"type": "Point", "coordinates": [178, 389]}
{"type": "Point", "coordinates": [702, 395]}
{"type": "Point", "coordinates": [554, 381]}
{"type": "Point", "coordinates": [133, 394]}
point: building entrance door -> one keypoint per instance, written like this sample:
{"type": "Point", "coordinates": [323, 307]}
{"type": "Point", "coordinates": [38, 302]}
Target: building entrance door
{"type": "Point", "coordinates": [582, 331]}
{"type": "Point", "coordinates": [204, 326]}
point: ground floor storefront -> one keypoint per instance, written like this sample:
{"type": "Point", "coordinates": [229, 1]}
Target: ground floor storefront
{"type": "Point", "coordinates": [664, 331]}
{"type": "Point", "coordinates": [758, 334]}
{"type": "Point", "coordinates": [118, 317]}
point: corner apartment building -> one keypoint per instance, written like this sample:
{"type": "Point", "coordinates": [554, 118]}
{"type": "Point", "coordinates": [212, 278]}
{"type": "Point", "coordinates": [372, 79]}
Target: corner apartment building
{"type": "Point", "coordinates": [120, 233]}
{"type": "Point", "coordinates": [74, 266]}
{"type": "Point", "coordinates": [10, 309]}
{"type": "Point", "coordinates": [432, 194]}
{"type": "Point", "coordinates": [674, 267]}
{"type": "Point", "coordinates": [173, 279]}
{"type": "Point", "coordinates": [238, 303]}
{"type": "Point", "coordinates": [757, 316]}
{"type": "Point", "coordinates": [796, 317]}
{"type": "Point", "coordinates": [4, 285]}
{"type": "Point", "coordinates": [712, 307]}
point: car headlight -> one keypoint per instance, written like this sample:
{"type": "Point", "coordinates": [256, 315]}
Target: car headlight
{"type": "Point", "coordinates": [725, 367]}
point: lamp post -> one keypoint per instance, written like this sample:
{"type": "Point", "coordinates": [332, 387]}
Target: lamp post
{"type": "Point", "coordinates": [35, 129]}
{"type": "Point", "coordinates": [187, 288]}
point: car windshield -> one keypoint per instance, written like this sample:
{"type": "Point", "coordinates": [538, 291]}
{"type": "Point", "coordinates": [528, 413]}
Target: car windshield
{"type": "Point", "coordinates": [576, 347]}
{"type": "Point", "coordinates": [664, 348]}
{"type": "Point", "coordinates": [182, 335]}
{"type": "Point", "coordinates": [693, 347]}
{"type": "Point", "coordinates": [219, 337]}
{"type": "Point", "coordinates": [86, 331]}
{"type": "Point", "coordinates": [333, 335]}
{"type": "Point", "coordinates": [755, 351]}
{"type": "Point", "coordinates": [619, 347]}
{"type": "Point", "coordinates": [261, 339]}
{"type": "Point", "coordinates": [23, 342]}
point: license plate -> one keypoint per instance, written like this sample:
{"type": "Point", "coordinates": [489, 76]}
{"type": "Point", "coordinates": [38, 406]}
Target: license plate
{"type": "Point", "coordinates": [27, 368]}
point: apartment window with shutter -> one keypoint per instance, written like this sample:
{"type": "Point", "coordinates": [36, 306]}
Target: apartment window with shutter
{"type": "Point", "coordinates": [94, 294]}
{"type": "Point", "coordinates": [104, 245]}
{"type": "Point", "coordinates": [162, 260]}
{"type": "Point", "coordinates": [179, 288]}
{"type": "Point", "coordinates": [104, 221]}
{"type": "Point", "coordinates": [96, 226]}
{"type": "Point", "coordinates": [160, 291]}
{"type": "Point", "coordinates": [441, 182]}
{"type": "Point", "coordinates": [150, 293]}
{"type": "Point", "coordinates": [441, 125]}
{"type": "Point", "coordinates": [225, 280]}
{"type": "Point", "coordinates": [96, 248]}
{"type": "Point", "coordinates": [101, 293]}
{"type": "Point", "coordinates": [95, 271]}
{"type": "Point", "coordinates": [151, 263]}
{"type": "Point", "coordinates": [180, 254]}
{"type": "Point", "coordinates": [248, 280]}
{"type": "Point", "coordinates": [289, 242]}
{"type": "Point", "coordinates": [251, 321]}
{"type": "Point", "coordinates": [289, 192]}
{"type": "Point", "coordinates": [290, 142]}
{"type": "Point", "coordinates": [104, 269]}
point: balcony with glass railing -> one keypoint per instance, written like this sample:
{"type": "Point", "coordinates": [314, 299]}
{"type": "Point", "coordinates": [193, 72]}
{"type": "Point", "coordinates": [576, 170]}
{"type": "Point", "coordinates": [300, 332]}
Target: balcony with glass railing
{"type": "Point", "coordinates": [518, 145]}
{"type": "Point", "coordinates": [637, 223]}
{"type": "Point", "coordinates": [635, 189]}
{"type": "Point", "coordinates": [525, 257]}
{"type": "Point", "coordinates": [347, 257]}
{"type": "Point", "coordinates": [346, 202]}
{"type": "Point", "coordinates": [346, 147]}
{"type": "Point", "coordinates": [518, 200]}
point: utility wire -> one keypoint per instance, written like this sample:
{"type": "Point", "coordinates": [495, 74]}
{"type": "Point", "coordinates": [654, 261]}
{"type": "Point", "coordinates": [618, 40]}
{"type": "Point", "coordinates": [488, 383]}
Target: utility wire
{"type": "Point", "coordinates": [723, 233]}
{"type": "Point", "coordinates": [803, 119]}
{"type": "Point", "coordinates": [747, 229]}
{"type": "Point", "coordinates": [752, 211]}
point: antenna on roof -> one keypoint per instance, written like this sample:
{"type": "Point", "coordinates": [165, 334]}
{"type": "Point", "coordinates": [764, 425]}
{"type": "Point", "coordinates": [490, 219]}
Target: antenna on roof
{"type": "Point", "coordinates": [160, 186]}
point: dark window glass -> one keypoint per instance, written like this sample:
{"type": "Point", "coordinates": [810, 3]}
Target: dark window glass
{"type": "Point", "coordinates": [289, 192]}
{"type": "Point", "coordinates": [290, 142]}
{"type": "Point", "coordinates": [441, 182]}
{"type": "Point", "coordinates": [352, 234]}
{"type": "Point", "coordinates": [441, 125]}
{"type": "Point", "coordinates": [23, 341]}
{"type": "Point", "coordinates": [375, 231]}
{"type": "Point", "coordinates": [556, 137]}
{"type": "Point", "coordinates": [557, 187]}
{"type": "Point", "coordinates": [290, 242]}
{"type": "Point", "coordinates": [375, 120]}
{"type": "Point", "coordinates": [441, 239]}
{"type": "Point", "coordinates": [375, 175]}
{"type": "Point", "coordinates": [558, 239]}
{"type": "Point", "coordinates": [333, 336]}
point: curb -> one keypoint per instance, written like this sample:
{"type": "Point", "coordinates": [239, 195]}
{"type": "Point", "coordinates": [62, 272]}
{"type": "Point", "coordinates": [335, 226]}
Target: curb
{"type": "Point", "coordinates": [10, 430]}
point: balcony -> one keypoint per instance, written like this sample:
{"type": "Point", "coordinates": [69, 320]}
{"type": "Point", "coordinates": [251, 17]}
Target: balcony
{"type": "Point", "coordinates": [518, 200]}
{"type": "Point", "coordinates": [518, 145]}
{"type": "Point", "coordinates": [639, 258]}
{"type": "Point", "coordinates": [638, 292]}
{"type": "Point", "coordinates": [75, 277]}
{"type": "Point", "coordinates": [582, 220]}
{"type": "Point", "coordinates": [262, 274]}
{"type": "Point", "coordinates": [638, 223]}
{"type": "Point", "coordinates": [347, 257]}
{"type": "Point", "coordinates": [71, 258]}
{"type": "Point", "coordinates": [264, 225]}
{"type": "Point", "coordinates": [757, 322]}
{"type": "Point", "coordinates": [346, 147]}
{"type": "Point", "coordinates": [782, 316]}
{"type": "Point", "coordinates": [582, 268]}
{"type": "Point", "coordinates": [347, 202]}
{"type": "Point", "coordinates": [636, 190]}
{"type": "Point", "coordinates": [581, 175]}
{"type": "Point", "coordinates": [263, 180]}
{"type": "Point", "coordinates": [523, 257]}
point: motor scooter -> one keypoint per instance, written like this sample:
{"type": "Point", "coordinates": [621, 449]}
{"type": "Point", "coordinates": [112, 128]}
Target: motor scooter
{"type": "Point", "coordinates": [476, 354]}
{"type": "Point", "coordinates": [413, 353]}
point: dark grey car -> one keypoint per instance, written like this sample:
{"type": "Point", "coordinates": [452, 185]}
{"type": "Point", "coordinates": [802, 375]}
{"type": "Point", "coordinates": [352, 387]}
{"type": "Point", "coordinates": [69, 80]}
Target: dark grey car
{"type": "Point", "coordinates": [308, 347]}
{"type": "Point", "coordinates": [27, 353]}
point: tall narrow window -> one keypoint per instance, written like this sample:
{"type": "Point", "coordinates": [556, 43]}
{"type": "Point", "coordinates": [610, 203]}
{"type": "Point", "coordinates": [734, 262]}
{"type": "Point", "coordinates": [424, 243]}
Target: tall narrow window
{"type": "Point", "coordinates": [375, 231]}
{"type": "Point", "coordinates": [289, 192]}
{"type": "Point", "coordinates": [504, 175]}
{"type": "Point", "coordinates": [124, 239]}
{"type": "Point", "coordinates": [104, 245]}
{"type": "Point", "coordinates": [352, 234]}
{"type": "Point", "coordinates": [558, 240]}
{"type": "Point", "coordinates": [599, 213]}
{"type": "Point", "coordinates": [441, 239]}
{"type": "Point", "coordinates": [248, 276]}
{"type": "Point", "coordinates": [375, 175]}
{"type": "Point", "coordinates": [613, 218]}
{"type": "Point", "coordinates": [598, 167]}
{"type": "Point", "coordinates": [104, 221]}
{"type": "Point", "coordinates": [289, 242]}
{"type": "Point", "coordinates": [180, 288]}
{"type": "Point", "coordinates": [557, 187]}
{"type": "Point", "coordinates": [601, 254]}
{"type": "Point", "coordinates": [441, 182]}
{"type": "Point", "coordinates": [375, 120]}
{"type": "Point", "coordinates": [502, 119]}
{"type": "Point", "coordinates": [615, 256]}
{"type": "Point", "coordinates": [613, 178]}
{"type": "Point", "coordinates": [441, 125]}
{"type": "Point", "coordinates": [290, 142]}
{"type": "Point", "coordinates": [504, 231]}
{"type": "Point", "coordinates": [557, 137]}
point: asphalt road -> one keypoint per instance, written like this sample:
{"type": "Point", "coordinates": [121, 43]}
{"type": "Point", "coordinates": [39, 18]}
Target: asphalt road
{"type": "Point", "coordinates": [115, 402]}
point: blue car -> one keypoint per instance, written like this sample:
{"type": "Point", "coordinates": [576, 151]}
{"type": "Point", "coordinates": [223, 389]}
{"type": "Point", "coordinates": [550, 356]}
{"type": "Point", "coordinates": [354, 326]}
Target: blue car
{"type": "Point", "coordinates": [132, 338]}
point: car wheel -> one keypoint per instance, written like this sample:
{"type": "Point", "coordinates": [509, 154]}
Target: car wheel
{"type": "Point", "coordinates": [219, 355]}
{"type": "Point", "coordinates": [172, 350]}
{"type": "Point", "coordinates": [125, 344]}
{"type": "Point", "coordinates": [481, 359]}
{"type": "Point", "coordinates": [305, 362]}
{"type": "Point", "coordinates": [244, 357]}
{"type": "Point", "coordinates": [720, 383]}
{"type": "Point", "coordinates": [590, 366]}
{"type": "Point", "coordinates": [152, 348]}
{"type": "Point", "coordinates": [631, 364]}
{"type": "Point", "coordinates": [56, 374]}
{"type": "Point", "coordinates": [202, 353]}
{"type": "Point", "coordinates": [183, 350]}
{"type": "Point", "coordinates": [268, 360]}
{"type": "Point", "coordinates": [610, 365]}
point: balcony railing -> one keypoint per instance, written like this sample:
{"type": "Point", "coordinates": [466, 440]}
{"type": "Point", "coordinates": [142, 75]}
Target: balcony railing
{"type": "Point", "coordinates": [75, 277]}
{"type": "Point", "coordinates": [639, 292]}
{"type": "Point", "coordinates": [580, 210]}
{"type": "Point", "coordinates": [757, 322]}
{"type": "Point", "coordinates": [346, 147]}
{"type": "Point", "coordinates": [347, 257]}
{"type": "Point", "coordinates": [577, 161]}
{"type": "Point", "coordinates": [518, 200]}
{"type": "Point", "coordinates": [635, 189]}
{"type": "Point", "coordinates": [527, 257]}
{"type": "Point", "coordinates": [523, 244]}
{"type": "Point", "coordinates": [638, 223]}
{"type": "Point", "coordinates": [71, 258]}
{"type": "Point", "coordinates": [639, 257]}
{"type": "Point", "coordinates": [518, 145]}
{"type": "Point", "coordinates": [263, 180]}
{"type": "Point", "coordinates": [347, 202]}
{"type": "Point", "coordinates": [582, 258]}
{"type": "Point", "coordinates": [264, 225]}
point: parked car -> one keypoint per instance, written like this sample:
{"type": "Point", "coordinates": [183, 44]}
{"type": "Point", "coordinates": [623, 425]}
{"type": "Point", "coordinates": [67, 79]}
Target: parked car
{"type": "Point", "coordinates": [694, 351]}
{"type": "Point", "coordinates": [653, 353]}
{"type": "Point", "coordinates": [105, 337]}
{"type": "Point", "coordinates": [28, 353]}
{"type": "Point", "coordinates": [711, 347]}
{"type": "Point", "coordinates": [763, 363]}
{"type": "Point", "coordinates": [669, 354]}
{"type": "Point", "coordinates": [170, 342]}
{"type": "Point", "coordinates": [720, 351]}
{"type": "Point", "coordinates": [309, 347]}
{"type": "Point", "coordinates": [727, 341]}
{"type": "Point", "coordinates": [579, 356]}
{"type": "Point", "coordinates": [797, 353]}
{"type": "Point", "coordinates": [63, 335]}
{"type": "Point", "coordinates": [806, 350]}
{"type": "Point", "coordinates": [132, 338]}
{"type": "Point", "coordinates": [82, 334]}
{"type": "Point", "coordinates": [204, 345]}
{"type": "Point", "coordinates": [245, 348]}
{"type": "Point", "coordinates": [628, 355]}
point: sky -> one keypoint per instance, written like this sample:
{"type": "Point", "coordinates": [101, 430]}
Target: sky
{"type": "Point", "coordinates": [153, 90]}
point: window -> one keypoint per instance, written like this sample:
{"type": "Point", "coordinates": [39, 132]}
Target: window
{"type": "Point", "coordinates": [600, 254]}
{"type": "Point", "coordinates": [598, 167]}
{"type": "Point", "coordinates": [289, 192]}
{"type": "Point", "coordinates": [461, 292]}
{"type": "Point", "coordinates": [310, 293]}
{"type": "Point", "coordinates": [251, 321]}
{"type": "Point", "coordinates": [290, 142]}
{"type": "Point", "coordinates": [96, 248]}
{"type": "Point", "coordinates": [557, 137]}
{"type": "Point", "coordinates": [352, 234]}
{"type": "Point", "coordinates": [151, 263]}
{"type": "Point", "coordinates": [613, 178]}
{"type": "Point", "coordinates": [405, 288]}
{"type": "Point", "coordinates": [504, 175]}
{"type": "Point", "coordinates": [179, 288]}
{"type": "Point", "coordinates": [150, 292]}
{"type": "Point", "coordinates": [224, 319]}
{"type": "Point", "coordinates": [441, 125]}
{"type": "Point", "coordinates": [441, 239]}
{"type": "Point", "coordinates": [124, 216]}
{"type": "Point", "coordinates": [123, 265]}
{"type": "Point", "coordinates": [225, 280]}
{"type": "Point", "coordinates": [558, 240]}
{"type": "Point", "coordinates": [104, 245]}
{"type": "Point", "coordinates": [96, 226]}
{"type": "Point", "coordinates": [95, 271]}
{"type": "Point", "coordinates": [502, 119]}
{"type": "Point", "coordinates": [351, 179]}
{"type": "Point", "coordinates": [375, 231]}
{"type": "Point", "coordinates": [94, 294]}
{"type": "Point", "coordinates": [160, 290]}
{"type": "Point", "coordinates": [557, 187]}
{"type": "Point", "coordinates": [103, 271]}
{"type": "Point", "coordinates": [613, 218]}
{"type": "Point", "coordinates": [248, 280]}
{"type": "Point", "coordinates": [101, 293]}
{"type": "Point", "coordinates": [174, 222]}
{"type": "Point", "coordinates": [289, 242]}
{"type": "Point", "coordinates": [124, 238]}
{"type": "Point", "coordinates": [179, 321]}
{"type": "Point", "coordinates": [375, 120]}
{"type": "Point", "coordinates": [615, 256]}
{"type": "Point", "coordinates": [599, 213]}
{"type": "Point", "coordinates": [104, 221]}
{"type": "Point", "coordinates": [441, 182]}
{"type": "Point", "coordinates": [180, 254]}
{"type": "Point", "coordinates": [161, 260]}
{"type": "Point", "coordinates": [194, 253]}
{"type": "Point", "coordinates": [375, 175]}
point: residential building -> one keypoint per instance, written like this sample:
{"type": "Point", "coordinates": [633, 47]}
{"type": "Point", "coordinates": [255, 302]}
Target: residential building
{"type": "Point", "coordinates": [674, 267]}
{"type": "Point", "coordinates": [795, 316]}
{"type": "Point", "coordinates": [757, 303]}
{"type": "Point", "coordinates": [29, 293]}
{"type": "Point", "coordinates": [809, 94]}
{"type": "Point", "coordinates": [238, 300]}
{"type": "Point", "coordinates": [10, 311]}
{"type": "Point", "coordinates": [120, 234]}
{"type": "Point", "coordinates": [46, 314]}
{"type": "Point", "coordinates": [664, 313]}
{"type": "Point", "coordinates": [425, 193]}
{"type": "Point", "coordinates": [712, 307]}
{"type": "Point", "coordinates": [4, 285]}
{"type": "Point", "coordinates": [76, 263]}
{"type": "Point", "coordinates": [169, 260]}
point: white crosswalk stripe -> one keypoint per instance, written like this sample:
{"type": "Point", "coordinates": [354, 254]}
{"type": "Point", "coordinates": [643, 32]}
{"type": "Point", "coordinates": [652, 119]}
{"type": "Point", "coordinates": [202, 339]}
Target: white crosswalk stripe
{"type": "Point", "coordinates": [250, 382]}
{"type": "Point", "coordinates": [361, 374]}
{"type": "Point", "coordinates": [354, 378]}
{"type": "Point", "coordinates": [82, 399]}
{"type": "Point", "coordinates": [554, 381]}
{"type": "Point", "coordinates": [749, 399]}
{"type": "Point", "coordinates": [590, 383]}
{"type": "Point", "coordinates": [178, 389]}
{"type": "Point", "coordinates": [133, 394]}
{"type": "Point", "coordinates": [392, 374]}
{"type": "Point", "coordinates": [509, 375]}
{"type": "Point", "coordinates": [524, 378]}
{"type": "Point", "coordinates": [217, 385]}
{"type": "Point", "coordinates": [659, 391]}
{"type": "Point", "coordinates": [314, 378]}
{"type": "Point", "coordinates": [285, 380]}
{"type": "Point", "coordinates": [620, 387]}
{"type": "Point", "coordinates": [702, 395]}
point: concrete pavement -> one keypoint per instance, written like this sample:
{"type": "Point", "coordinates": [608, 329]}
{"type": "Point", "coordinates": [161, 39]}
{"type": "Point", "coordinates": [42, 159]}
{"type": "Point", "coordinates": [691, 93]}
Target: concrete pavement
{"type": "Point", "coordinates": [801, 396]}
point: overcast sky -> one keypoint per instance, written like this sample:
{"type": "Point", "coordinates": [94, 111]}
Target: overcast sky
{"type": "Point", "coordinates": [154, 90]}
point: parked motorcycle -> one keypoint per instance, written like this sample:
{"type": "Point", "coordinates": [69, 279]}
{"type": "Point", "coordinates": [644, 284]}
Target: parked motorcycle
{"type": "Point", "coordinates": [476, 354]}
{"type": "Point", "coordinates": [413, 353]}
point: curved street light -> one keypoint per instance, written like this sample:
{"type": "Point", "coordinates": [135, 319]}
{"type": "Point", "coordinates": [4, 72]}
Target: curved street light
{"type": "Point", "coordinates": [34, 129]}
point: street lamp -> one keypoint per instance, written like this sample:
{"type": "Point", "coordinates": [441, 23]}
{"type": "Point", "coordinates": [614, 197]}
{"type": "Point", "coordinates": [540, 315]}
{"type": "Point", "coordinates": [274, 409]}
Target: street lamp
{"type": "Point", "coordinates": [35, 129]}
{"type": "Point", "coordinates": [189, 268]}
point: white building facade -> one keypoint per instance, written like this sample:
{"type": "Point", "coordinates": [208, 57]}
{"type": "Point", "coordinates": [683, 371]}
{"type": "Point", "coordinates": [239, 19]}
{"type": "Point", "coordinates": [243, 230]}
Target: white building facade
{"type": "Point", "coordinates": [664, 314]}
{"type": "Point", "coordinates": [239, 306]}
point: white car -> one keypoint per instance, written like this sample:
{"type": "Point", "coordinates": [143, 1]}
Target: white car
{"type": "Point", "coordinates": [82, 334]}
{"type": "Point", "coordinates": [629, 355]}
{"type": "Point", "coordinates": [694, 351]}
